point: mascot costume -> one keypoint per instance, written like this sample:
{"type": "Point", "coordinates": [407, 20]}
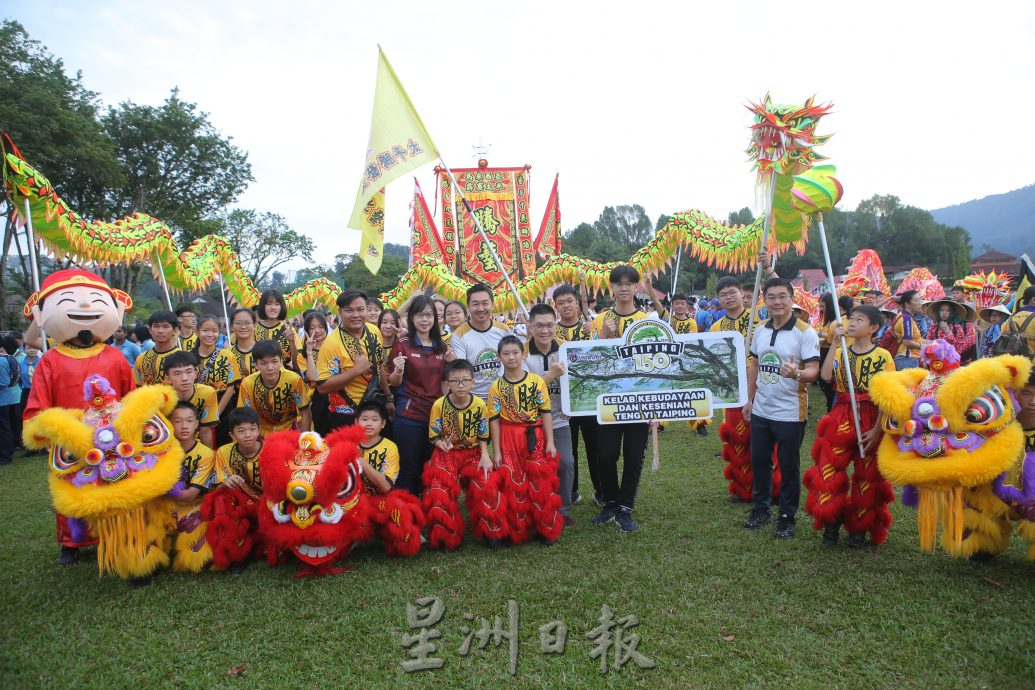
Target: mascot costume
{"type": "Point", "coordinates": [79, 311]}
{"type": "Point", "coordinates": [113, 466]}
{"type": "Point", "coordinates": [951, 437]}
{"type": "Point", "coordinates": [313, 506]}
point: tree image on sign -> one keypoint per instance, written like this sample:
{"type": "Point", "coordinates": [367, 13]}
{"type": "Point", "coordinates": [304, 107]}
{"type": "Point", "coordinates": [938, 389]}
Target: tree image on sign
{"type": "Point", "coordinates": [596, 370]}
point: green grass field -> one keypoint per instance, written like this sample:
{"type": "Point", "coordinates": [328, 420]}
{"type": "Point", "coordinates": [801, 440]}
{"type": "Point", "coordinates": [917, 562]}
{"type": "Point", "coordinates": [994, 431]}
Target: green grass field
{"type": "Point", "coordinates": [719, 606]}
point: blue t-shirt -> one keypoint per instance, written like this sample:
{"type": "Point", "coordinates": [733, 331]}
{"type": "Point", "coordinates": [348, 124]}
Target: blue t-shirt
{"type": "Point", "coordinates": [130, 350]}
{"type": "Point", "coordinates": [9, 394]}
{"type": "Point", "coordinates": [28, 370]}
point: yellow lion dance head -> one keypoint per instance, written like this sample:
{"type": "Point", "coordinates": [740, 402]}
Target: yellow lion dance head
{"type": "Point", "coordinates": [112, 465]}
{"type": "Point", "coordinates": [948, 430]}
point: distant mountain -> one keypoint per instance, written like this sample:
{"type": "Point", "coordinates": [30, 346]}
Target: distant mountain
{"type": "Point", "coordinates": [1004, 221]}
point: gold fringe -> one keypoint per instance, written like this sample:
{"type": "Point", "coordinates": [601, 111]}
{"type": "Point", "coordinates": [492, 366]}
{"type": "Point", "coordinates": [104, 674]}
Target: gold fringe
{"type": "Point", "coordinates": [927, 518]}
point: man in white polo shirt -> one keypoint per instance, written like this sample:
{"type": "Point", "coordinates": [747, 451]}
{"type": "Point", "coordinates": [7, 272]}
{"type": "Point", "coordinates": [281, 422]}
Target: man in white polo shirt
{"type": "Point", "coordinates": [784, 361]}
{"type": "Point", "coordinates": [476, 339]}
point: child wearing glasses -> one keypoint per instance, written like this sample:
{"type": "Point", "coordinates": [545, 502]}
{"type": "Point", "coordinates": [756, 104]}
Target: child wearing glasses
{"type": "Point", "coordinates": [459, 432]}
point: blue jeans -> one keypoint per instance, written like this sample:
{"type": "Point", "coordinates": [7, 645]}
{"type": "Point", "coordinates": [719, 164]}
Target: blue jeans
{"type": "Point", "coordinates": [411, 436]}
{"type": "Point", "coordinates": [903, 362]}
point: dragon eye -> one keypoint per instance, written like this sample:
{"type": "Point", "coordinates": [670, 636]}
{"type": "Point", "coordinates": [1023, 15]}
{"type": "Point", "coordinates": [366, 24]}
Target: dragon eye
{"type": "Point", "coordinates": [987, 408]}
{"type": "Point", "coordinates": [155, 432]}
{"type": "Point", "coordinates": [62, 460]}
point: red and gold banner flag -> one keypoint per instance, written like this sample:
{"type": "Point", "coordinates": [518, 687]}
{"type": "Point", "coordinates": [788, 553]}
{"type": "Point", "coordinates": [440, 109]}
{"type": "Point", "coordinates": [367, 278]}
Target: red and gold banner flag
{"type": "Point", "coordinates": [548, 241]}
{"type": "Point", "coordinates": [424, 238]}
{"type": "Point", "coordinates": [499, 199]}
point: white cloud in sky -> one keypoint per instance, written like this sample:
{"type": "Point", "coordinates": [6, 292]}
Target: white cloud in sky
{"type": "Point", "coordinates": [629, 102]}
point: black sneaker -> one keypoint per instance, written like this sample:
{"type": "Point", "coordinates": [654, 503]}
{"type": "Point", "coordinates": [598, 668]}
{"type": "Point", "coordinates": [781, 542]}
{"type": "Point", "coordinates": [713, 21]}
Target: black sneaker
{"type": "Point", "coordinates": [576, 499]}
{"type": "Point", "coordinates": [605, 516]}
{"type": "Point", "coordinates": [139, 582]}
{"type": "Point", "coordinates": [758, 519]}
{"type": "Point", "coordinates": [625, 521]}
{"type": "Point", "coordinates": [702, 431]}
{"type": "Point", "coordinates": [238, 568]}
{"type": "Point", "coordinates": [784, 527]}
{"type": "Point", "coordinates": [69, 555]}
{"type": "Point", "coordinates": [856, 539]}
{"type": "Point", "coordinates": [831, 534]}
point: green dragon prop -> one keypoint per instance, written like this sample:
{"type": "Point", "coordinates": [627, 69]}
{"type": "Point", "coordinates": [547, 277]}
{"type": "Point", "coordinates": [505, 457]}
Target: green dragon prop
{"type": "Point", "coordinates": [781, 147]}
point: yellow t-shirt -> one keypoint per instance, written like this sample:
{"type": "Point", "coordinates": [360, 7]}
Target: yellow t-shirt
{"type": "Point", "coordinates": [864, 367]}
{"type": "Point", "coordinates": [907, 331]}
{"type": "Point", "coordinates": [198, 466]}
{"type": "Point", "coordinates": [573, 333]}
{"type": "Point", "coordinates": [243, 364]}
{"type": "Point", "coordinates": [147, 369]}
{"type": "Point", "coordinates": [229, 460]}
{"type": "Point", "coordinates": [523, 401]}
{"type": "Point", "coordinates": [623, 320]}
{"type": "Point", "coordinates": [218, 370]}
{"type": "Point", "coordinates": [739, 324]}
{"type": "Point", "coordinates": [684, 326]}
{"type": "Point", "coordinates": [278, 405]}
{"type": "Point", "coordinates": [189, 342]}
{"type": "Point", "coordinates": [206, 404]}
{"type": "Point", "coordinates": [338, 354]}
{"type": "Point", "coordinates": [383, 457]}
{"type": "Point", "coordinates": [279, 333]}
{"type": "Point", "coordinates": [463, 426]}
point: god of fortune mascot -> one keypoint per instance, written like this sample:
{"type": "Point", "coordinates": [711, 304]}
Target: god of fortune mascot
{"type": "Point", "coordinates": [951, 433]}
{"type": "Point", "coordinates": [80, 312]}
{"type": "Point", "coordinates": [112, 466]}
{"type": "Point", "coordinates": [315, 507]}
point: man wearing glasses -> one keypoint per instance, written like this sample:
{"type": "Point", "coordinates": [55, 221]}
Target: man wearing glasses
{"type": "Point", "coordinates": [784, 361]}
{"type": "Point", "coordinates": [542, 358]}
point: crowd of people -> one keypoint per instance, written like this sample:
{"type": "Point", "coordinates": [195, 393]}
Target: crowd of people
{"type": "Point", "coordinates": [454, 397]}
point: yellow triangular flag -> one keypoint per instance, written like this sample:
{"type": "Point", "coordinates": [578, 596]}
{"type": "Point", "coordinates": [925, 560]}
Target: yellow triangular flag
{"type": "Point", "coordinates": [398, 144]}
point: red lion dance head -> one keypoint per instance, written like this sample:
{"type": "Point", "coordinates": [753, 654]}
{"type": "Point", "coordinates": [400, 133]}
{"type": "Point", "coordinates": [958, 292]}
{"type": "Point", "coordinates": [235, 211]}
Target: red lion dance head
{"type": "Point", "coordinates": [312, 490]}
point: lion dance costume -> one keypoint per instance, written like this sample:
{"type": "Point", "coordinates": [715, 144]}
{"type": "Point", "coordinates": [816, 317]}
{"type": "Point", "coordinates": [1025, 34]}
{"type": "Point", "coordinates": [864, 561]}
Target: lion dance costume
{"type": "Point", "coordinates": [313, 504]}
{"type": "Point", "coordinates": [113, 466]}
{"type": "Point", "coordinates": [951, 434]}
{"type": "Point", "coordinates": [447, 472]}
{"type": "Point", "coordinates": [863, 508]}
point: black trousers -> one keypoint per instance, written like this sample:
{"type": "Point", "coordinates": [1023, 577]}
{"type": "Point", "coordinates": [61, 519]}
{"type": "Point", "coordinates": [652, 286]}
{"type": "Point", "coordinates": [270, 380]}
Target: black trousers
{"type": "Point", "coordinates": [10, 417]}
{"type": "Point", "coordinates": [590, 429]}
{"type": "Point", "coordinates": [629, 441]}
{"type": "Point", "coordinates": [786, 437]}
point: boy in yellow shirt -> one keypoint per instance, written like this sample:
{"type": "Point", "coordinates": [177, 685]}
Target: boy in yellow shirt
{"type": "Point", "coordinates": [521, 428]}
{"type": "Point", "coordinates": [180, 370]}
{"type": "Point", "coordinates": [381, 455]}
{"type": "Point", "coordinates": [459, 431]}
{"type": "Point", "coordinates": [192, 551]}
{"type": "Point", "coordinates": [279, 396]}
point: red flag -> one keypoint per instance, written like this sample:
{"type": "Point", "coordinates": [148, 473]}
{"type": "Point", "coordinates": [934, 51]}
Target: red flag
{"type": "Point", "coordinates": [424, 238]}
{"type": "Point", "coordinates": [548, 242]}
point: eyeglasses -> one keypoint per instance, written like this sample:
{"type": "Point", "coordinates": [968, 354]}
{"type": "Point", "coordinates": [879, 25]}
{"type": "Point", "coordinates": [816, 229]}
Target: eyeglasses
{"type": "Point", "coordinates": [461, 382]}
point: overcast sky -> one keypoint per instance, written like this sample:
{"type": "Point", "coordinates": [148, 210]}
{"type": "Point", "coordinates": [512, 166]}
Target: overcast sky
{"type": "Point", "coordinates": [629, 102]}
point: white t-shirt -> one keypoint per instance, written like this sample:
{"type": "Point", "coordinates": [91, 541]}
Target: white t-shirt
{"type": "Point", "coordinates": [479, 348]}
{"type": "Point", "coordinates": [777, 398]}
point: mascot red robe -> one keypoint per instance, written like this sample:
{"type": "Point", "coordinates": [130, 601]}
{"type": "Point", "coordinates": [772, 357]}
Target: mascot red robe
{"type": "Point", "coordinates": [79, 311]}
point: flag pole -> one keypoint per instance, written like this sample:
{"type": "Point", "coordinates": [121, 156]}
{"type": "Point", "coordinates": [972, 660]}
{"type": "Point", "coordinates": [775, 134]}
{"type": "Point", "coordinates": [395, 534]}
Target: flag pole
{"type": "Point", "coordinates": [758, 271]}
{"type": "Point", "coordinates": [222, 298]}
{"type": "Point", "coordinates": [675, 282]}
{"type": "Point", "coordinates": [35, 267]}
{"type": "Point", "coordinates": [165, 285]}
{"type": "Point", "coordinates": [485, 239]}
{"type": "Point", "coordinates": [846, 361]}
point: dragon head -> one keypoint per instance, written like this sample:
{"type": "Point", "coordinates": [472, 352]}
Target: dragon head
{"type": "Point", "coordinates": [115, 455]}
{"type": "Point", "coordinates": [949, 428]}
{"type": "Point", "coordinates": [311, 490]}
{"type": "Point", "coordinates": [783, 136]}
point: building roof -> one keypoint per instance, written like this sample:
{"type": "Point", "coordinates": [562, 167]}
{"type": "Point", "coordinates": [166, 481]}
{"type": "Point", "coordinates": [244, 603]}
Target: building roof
{"type": "Point", "coordinates": [993, 256]}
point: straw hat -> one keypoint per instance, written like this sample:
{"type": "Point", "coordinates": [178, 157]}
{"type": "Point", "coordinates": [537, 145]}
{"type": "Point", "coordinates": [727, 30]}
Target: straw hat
{"type": "Point", "coordinates": [999, 308]}
{"type": "Point", "coordinates": [962, 312]}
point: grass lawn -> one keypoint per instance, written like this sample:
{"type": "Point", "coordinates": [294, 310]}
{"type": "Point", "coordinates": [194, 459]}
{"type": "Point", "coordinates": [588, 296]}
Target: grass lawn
{"type": "Point", "coordinates": [718, 605]}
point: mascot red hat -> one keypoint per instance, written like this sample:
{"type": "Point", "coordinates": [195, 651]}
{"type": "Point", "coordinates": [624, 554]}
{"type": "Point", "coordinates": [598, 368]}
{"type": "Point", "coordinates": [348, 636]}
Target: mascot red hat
{"type": "Point", "coordinates": [72, 278]}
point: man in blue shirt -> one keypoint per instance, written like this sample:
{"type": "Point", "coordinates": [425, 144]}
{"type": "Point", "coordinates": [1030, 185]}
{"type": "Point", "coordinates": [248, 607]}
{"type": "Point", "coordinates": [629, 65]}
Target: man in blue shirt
{"type": "Point", "coordinates": [128, 348]}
